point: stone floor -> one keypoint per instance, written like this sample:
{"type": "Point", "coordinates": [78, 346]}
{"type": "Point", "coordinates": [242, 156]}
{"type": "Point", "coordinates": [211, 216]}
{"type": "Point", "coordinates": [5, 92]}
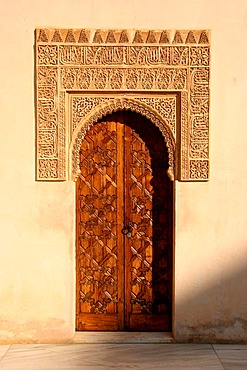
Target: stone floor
{"type": "Point", "coordinates": [122, 356]}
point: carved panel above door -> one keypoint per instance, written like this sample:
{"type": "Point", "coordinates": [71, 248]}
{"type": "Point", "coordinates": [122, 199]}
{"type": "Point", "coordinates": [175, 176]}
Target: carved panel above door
{"type": "Point", "coordinates": [82, 75]}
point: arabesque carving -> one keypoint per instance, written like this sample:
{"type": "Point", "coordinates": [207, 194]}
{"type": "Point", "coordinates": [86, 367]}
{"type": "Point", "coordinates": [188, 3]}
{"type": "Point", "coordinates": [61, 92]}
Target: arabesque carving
{"type": "Point", "coordinates": [82, 75]}
{"type": "Point", "coordinates": [113, 106]}
{"type": "Point", "coordinates": [164, 106]}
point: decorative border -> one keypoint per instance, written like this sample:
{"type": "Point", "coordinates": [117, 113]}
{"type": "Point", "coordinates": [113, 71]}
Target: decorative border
{"type": "Point", "coordinates": [105, 68]}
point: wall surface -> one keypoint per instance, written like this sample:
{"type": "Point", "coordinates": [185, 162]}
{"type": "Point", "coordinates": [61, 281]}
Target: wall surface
{"type": "Point", "coordinates": [37, 269]}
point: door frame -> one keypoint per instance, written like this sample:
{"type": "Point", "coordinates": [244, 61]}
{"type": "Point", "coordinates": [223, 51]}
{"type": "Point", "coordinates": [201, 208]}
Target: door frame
{"type": "Point", "coordinates": [127, 62]}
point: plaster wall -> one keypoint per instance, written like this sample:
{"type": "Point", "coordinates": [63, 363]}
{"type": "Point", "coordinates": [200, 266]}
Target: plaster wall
{"type": "Point", "coordinates": [37, 268]}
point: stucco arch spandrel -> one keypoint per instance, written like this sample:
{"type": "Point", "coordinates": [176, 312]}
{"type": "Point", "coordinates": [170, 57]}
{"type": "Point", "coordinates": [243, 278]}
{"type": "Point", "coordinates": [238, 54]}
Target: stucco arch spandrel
{"type": "Point", "coordinates": [108, 108]}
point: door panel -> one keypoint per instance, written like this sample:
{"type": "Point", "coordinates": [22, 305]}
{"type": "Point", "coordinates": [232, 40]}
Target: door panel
{"type": "Point", "coordinates": [149, 207]}
{"type": "Point", "coordinates": [99, 204]}
{"type": "Point", "coordinates": [124, 227]}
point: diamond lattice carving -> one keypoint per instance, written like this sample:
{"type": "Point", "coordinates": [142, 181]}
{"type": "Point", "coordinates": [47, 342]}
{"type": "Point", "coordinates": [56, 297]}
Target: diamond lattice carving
{"type": "Point", "coordinates": [124, 226]}
{"type": "Point", "coordinates": [98, 219]}
{"type": "Point", "coordinates": [149, 215]}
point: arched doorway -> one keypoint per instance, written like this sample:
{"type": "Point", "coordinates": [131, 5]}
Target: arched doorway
{"type": "Point", "coordinates": [124, 208]}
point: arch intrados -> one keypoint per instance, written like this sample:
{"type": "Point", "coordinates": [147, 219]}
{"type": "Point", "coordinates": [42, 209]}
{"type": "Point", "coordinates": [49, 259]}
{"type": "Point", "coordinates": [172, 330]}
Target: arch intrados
{"type": "Point", "coordinates": [108, 108]}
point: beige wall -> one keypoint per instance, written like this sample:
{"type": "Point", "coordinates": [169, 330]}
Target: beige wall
{"type": "Point", "coordinates": [37, 218]}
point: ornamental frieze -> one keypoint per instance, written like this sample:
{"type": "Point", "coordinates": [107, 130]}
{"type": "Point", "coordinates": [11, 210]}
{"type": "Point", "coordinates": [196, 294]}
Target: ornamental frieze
{"type": "Point", "coordinates": [123, 79]}
{"type": "Point", "coordinates": [118, 56]}
{"type": "Point", "coordinates": [82, 75]}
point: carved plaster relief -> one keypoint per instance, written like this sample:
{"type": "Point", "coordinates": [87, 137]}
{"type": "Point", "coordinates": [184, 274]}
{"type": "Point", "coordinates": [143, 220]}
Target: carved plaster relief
{"type": "Point", "coordinates": [82, 75]}
{"type": "Point", "coordinates": [136, 105]}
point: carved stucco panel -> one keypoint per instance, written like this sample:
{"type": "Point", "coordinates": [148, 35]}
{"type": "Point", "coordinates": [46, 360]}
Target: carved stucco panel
{"type": "Point", "coordinates": [172, 67]}
{"type": "Point", "coordinates": [165, 106]}
{"type": "Point", "coordinates": [165, 79]}
{"type": "Point", "coordinates": [109, 106]}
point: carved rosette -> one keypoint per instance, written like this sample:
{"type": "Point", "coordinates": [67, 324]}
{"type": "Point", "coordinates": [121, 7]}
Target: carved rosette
{"type": "Point", "coordinates": [163, 75]}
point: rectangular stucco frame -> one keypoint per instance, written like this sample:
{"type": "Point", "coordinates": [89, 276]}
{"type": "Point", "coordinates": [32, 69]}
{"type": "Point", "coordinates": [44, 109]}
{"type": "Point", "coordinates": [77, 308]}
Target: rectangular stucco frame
{"type": "Point", "coordinates": [82, 75]}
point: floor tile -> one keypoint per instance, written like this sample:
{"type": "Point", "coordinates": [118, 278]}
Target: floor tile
{"type": "Point", "coordinates": [3, 350]}
{"type": "Point", "coordinates": [123, 356]}
{"type": "Point", "coordinates": [233, 359]}
{"type": "Point", "coordinates": [129, 356]}
{"type": "Point", "coordinates": [230, 346]}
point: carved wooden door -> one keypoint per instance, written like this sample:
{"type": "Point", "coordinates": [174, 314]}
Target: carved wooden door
{"type": "Point", "coordinates": [124, 227]}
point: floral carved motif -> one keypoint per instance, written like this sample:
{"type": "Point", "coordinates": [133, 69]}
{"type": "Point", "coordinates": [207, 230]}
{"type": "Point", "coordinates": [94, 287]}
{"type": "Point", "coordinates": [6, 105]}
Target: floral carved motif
{"type": "Point", "coordinates": [164, 106]}
{"type": "Point", "coordinates": [48, 168]}
{"type": "Point", "coordinates": [83, 74]}
{"type": "Point", "coordinates": [199, 170]}
{"type": "Point", "coordinates": [113, 106]}
{"type": "Point", "coordinates": [123, 79]}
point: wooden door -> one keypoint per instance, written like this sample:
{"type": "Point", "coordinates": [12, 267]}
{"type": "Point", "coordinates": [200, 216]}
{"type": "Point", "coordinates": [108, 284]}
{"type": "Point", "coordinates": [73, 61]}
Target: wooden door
{"type": "Point", "coordinates": [124, 227]}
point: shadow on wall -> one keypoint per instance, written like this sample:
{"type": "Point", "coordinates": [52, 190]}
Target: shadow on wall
{"type": "Point", "coordinates": [218, 313]}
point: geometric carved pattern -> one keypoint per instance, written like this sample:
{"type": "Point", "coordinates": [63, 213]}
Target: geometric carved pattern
{"type": "Point", "coordinates": [124, 281]}
{"type": "Point", "coordinates": [141, 216]}
{"type": "Point", "coordinates": [122, 63]}
{"type": "Point", "coordinates": [97, 225]}
{"type": "Point", "coordinates": [150, 193]}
